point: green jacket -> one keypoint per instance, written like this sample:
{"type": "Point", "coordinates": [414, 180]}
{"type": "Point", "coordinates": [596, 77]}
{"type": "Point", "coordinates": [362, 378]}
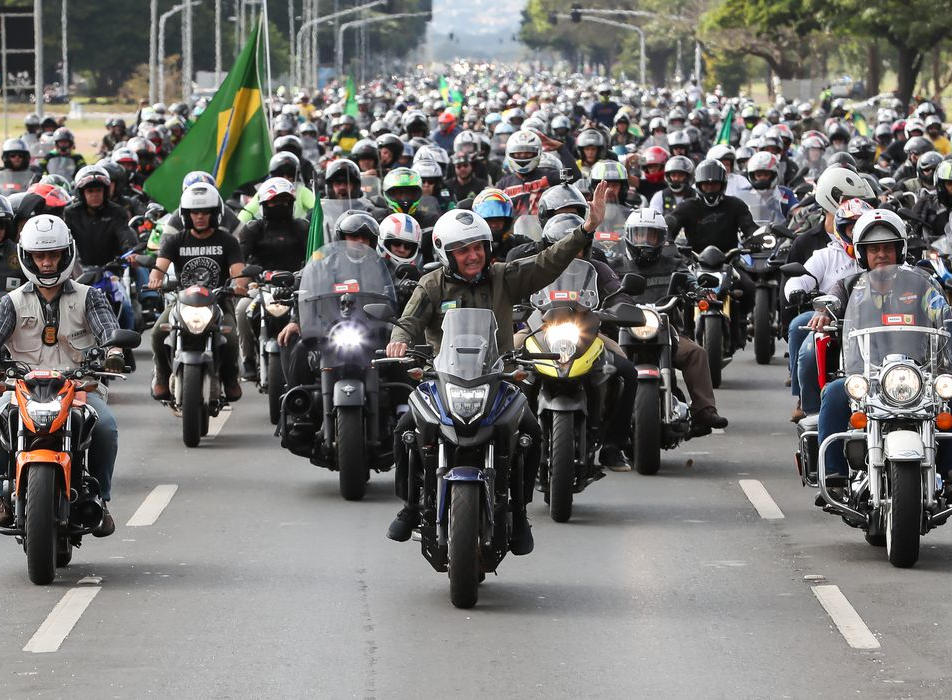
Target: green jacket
{"type": "Point", "coordinates": [504, 285]}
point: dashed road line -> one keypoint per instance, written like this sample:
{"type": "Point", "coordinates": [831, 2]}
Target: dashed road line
{"type": "Point", "coordinates": [153, 505]}
{"type": "Point", "coordinates": [216, 423]}
{"type": "Point", "coordinates": [845, 617]}
{"type": "Point", "coordinates": [760, 499]}
{"type": "Point", "coordinates": [57, 626]}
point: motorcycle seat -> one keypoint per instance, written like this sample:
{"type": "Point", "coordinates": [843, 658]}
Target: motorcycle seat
{"type": "Point", "coordinates": [810, 422]}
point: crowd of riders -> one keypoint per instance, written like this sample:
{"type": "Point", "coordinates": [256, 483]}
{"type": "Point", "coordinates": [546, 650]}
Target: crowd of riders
{"type": "Point", "coordinates": [467, 177]}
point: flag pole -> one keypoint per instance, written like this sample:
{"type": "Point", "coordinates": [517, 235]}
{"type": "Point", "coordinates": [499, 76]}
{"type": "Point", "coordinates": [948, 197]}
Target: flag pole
{"type": "Point", "coordinates": [267, 63]}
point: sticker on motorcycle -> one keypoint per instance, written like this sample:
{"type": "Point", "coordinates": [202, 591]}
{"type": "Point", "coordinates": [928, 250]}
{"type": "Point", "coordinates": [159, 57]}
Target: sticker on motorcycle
{"type": "Point", "coordinates": [347, 287]}
{"type": "Point", "coordinates": [607, 236]}
{"type": "Point", "coordinates": [555, 295]}
{"type": "Point", "coordinates": [908, 298]}
{"type": "Point", "coordinates": [899, 320]}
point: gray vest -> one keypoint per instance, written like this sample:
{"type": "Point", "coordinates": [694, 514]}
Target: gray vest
{"type": "Point", "coordinates": [73, 335]}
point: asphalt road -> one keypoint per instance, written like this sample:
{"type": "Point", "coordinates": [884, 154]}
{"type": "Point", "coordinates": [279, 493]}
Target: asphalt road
{"type": "Point", "coordinates": [258, 581]}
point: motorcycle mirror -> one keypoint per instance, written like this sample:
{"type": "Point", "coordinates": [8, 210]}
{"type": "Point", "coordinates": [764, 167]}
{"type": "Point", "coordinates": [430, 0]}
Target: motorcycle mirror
{"type": "Point", "coordinates": [677, 283]}
{"type": "Point", "coordinates": [624, 314]}
{"type": "Point", "coordinates": [633, 284]}
{"type": "Point", "coordinates": [140, 247]}
{"type": "Point", "coordinates": [794, 269]}
{"type": "Point", "coordinates": [521, 313]}
{"type": "Point", "coordinates": [429, 267]}
{"type": "Point", "coordinates": [135, 222]}
{"type": "Point", "coordinates": [380, 312]}
{"type": "Point", "coordinates": [125, 339]}
{"type": "Point", "coordinates": [282, 279]}
{"type": "Point", "coordinates": [253, 271]}
{"type": "Point", "coordinates": [147, 261]}
{"type": "Point", "coordinates": [406, 271]}
{"type": "Point", "coordinates": [827, 302]}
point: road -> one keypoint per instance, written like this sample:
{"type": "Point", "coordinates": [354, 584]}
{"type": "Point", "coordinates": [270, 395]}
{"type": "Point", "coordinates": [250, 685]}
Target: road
{"type": "Point", "coordinates": [258, 581]}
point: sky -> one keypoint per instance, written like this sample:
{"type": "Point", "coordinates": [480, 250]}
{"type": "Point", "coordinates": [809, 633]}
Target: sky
{"type": "Point", "coordinates": [479, 26]}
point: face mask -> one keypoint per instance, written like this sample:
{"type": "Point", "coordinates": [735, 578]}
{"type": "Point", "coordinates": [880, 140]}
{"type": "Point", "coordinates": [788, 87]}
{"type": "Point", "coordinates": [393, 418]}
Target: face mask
{"type": "Point", "coordinates": [277, 212]}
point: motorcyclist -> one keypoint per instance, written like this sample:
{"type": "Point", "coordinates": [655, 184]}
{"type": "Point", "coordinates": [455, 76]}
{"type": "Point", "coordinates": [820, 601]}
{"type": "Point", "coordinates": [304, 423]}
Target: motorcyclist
{"type": "Point", "coordinates": [345, 133]}
{"type": "Point", "coordinates": [464, 184]}
{"type": "Point", "coordinates": [389, 150]}
{"type": "Point", "coordinates": [174, 223]}
{"type": "Point", "coordinates": [921, 184]}
{"type": "Point", "coordinates": [436, 197]}
{"type": "Point", "coordinates": [288, 166]}
{"type": "Point", "coordinates": [276, 241]}
{"type": "Point", "coordinates": [205, 254]}
{"type": "Point", "coordinates": [764, 176]}
{"type": "Point", "coordinates": [116, 133]}
{"type": "Point", "coordinates": [621, 134]}
{"type": "Point", "coordinates": [679, 176]}
{"type": "Point", "coordinates": [933, 209]}
{"type": "Point", "coordinates": [59, 158]}
{"type": "Point", "coordinates": [496, 209]}
{"type": "Point", "coordinates": [467, 279]}
{"type": "Point", "coordinates": [16, 175]}
{"type": "Point", "coordinates": [728, 158]}
{"type": "Point", "coordinates": [366, 156]}
{"type": "Point", "coordinates": [604, 109]}
{"type": "Point", "coordinates": [527, 179]}
{"type": "Point", "coordinates": [76, 317]}
{"type": "Point", "coordinates": [402, 192]}
{"type": "Point", "coordinates": [645, 234]}
{"type": "Point", "coordinates": [934, 131]}
{"type": "Point", "coordinates": [446, 131]}
{"type": "Point", "coordinates": [652, 162]}
{"type": "Point", "coordinates": [591, 149]}
{"type": "Point", "coordinates": [11, 274]}
{"type": "Point", "coordinates": [614, 173]}
{"type": "Point", "coordinates": [915, 148]}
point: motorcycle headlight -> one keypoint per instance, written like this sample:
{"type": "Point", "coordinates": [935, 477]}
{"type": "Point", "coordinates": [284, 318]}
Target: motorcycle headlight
{"type": "Point", "coordinates": [857, 386]}
{"type": "Point", "coordinates": [196, 318]}
{"type": "Point", "coordinates": [347, 337]}
{"type": "Point", "coordinates": [277, 310]}
{"type": "Point", "coordinates": [651, 327]}
{"type": "Point", "coordinates": [901, 384]}
{"type": "Point", "coordinates": [943, 386]}
{"type": "Point", "coordinates": [563, 338]}
{"type": "Point", "coordinates": [467, 403]}
{"type": "Point", "coordinates": [43, 413]}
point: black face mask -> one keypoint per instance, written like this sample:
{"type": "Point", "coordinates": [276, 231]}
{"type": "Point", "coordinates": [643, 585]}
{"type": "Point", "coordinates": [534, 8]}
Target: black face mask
{"type": "Point", "coordinates": [278, 213]}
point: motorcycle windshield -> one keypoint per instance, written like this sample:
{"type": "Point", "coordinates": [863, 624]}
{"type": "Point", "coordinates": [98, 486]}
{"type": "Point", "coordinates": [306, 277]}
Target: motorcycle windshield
{"type": "Point", "coordinates": [61, 165]}
{"type": "Point", "coordinates": [610, 236]}
{"type": "Point", "coordinates": [334, 208]}
{"type": "Point", "coordinates": [469, 349]}
{"type": "Point", "coordinates": [13, 181]}
{"type": "Point", "coordinates": [341, 279]}
{"type": "Point", "coordinates": [528, 225]}
{"type": "Point", "coordinates": [764, 206]}
{"type": "Point", "coordinates": [370, 185]}
{"type": "Point", "coordinates": [894, 310]}
{"type": "Point", "coordinates": [578, 285]}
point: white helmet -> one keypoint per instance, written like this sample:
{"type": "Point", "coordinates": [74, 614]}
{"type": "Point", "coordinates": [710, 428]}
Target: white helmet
{"type": "Point", "coordinates": [464, 139]}
{"type": "Point", "coordinates": [879, 226]}
{"type": "Point", "coordinates": [524, 142]}
{"type": "Point", "coordinates": [201, 196]}
{"type": "Point", "coordinates": [836, 184]}
{"type": "Point", "coordinates": [275, 187]}
{"type": "Point", "coordinates": [763, 161]}
{"type": "Point", "coordinates": [44, 233]}
{"type": "Point", "coordinates": [645, 233]}
{"type": "Point", "coordinates": [405, 229]}
{"type": "Point", "coordinates": [427, 169]}
{"type": "Point", "coordinates": [457, 229]}
{"type": "Point", "coordinates": [721, 151]}
{"type": "Point", "coordinates": [434, 153]}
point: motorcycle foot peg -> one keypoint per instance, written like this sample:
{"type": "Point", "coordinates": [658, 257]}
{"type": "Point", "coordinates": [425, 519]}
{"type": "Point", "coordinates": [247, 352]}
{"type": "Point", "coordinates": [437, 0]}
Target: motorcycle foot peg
{"type": "Point", "coordinates": [525, 441]}
{"type": "Point", "coordinates": [408, 437]}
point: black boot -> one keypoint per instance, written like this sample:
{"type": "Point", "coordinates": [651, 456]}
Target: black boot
{"type": "Point", "coordinates": [401, 529]}
{"type": "Point", "coordinates": [521, 541]}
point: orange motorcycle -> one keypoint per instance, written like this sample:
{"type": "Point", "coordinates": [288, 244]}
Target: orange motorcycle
{"type": "Point", "coordinates": [46, 430]}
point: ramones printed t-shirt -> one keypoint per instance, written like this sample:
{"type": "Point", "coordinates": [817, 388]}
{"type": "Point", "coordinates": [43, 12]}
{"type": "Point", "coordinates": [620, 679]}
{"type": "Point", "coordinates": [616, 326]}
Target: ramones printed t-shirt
{"type": "Point", "coordinates": [202, 261]}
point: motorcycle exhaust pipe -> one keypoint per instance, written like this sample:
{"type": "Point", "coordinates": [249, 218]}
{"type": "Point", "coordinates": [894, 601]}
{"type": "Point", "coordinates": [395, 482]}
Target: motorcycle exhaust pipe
{"type": "Point", "coordinates": [298, 402]}
{"type": "Point", "coordinates": [88, 510]}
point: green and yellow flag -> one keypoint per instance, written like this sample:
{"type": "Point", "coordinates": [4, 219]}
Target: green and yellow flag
{"type": "Point", "coordinates": [230, 140]}
{"type": "Point", "coordinates": [350, 98]}
{"type": "Point", "coordinates": [859, 121]}
{"type": "Point", "coordinates": [315, 234]}
{"type": "Point", "coordinates": [724, 138]}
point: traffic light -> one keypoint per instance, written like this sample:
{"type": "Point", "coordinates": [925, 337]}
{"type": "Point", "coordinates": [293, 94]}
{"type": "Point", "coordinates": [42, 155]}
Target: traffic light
{"type": "Point", "coordinates": [576, 13]}
{"type": "Point", "coordinates": [553, 18]}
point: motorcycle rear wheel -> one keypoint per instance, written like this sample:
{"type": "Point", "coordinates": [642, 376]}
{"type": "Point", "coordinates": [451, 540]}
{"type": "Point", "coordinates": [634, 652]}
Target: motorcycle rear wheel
{"type": "Point", "coordinates": [64, 552]}
{"type": "Point", "coordinates": [714, 346]}
{"type": "Point", "coordinates": [464, 568]}
{"type": "Point", "coordinates": [763, 327]}
{"type": "Point", "coordinates": [40, 537]}
{"type": "Point", "coordinates": [646, 429]}
{"type": "Point", "coordinates": [562, 466]}
{"type": "Point", "coordinates": [903, 514]}
{"type": "Point", "coordinates": [351, 453]}
{"type": "Point", "coordinates": [193, 405]}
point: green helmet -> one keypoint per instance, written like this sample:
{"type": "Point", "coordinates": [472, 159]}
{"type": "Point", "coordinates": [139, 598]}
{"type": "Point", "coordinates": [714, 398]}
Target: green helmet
{"type": "Point", "coordinates": [610, 170]}
{"type": "Point", "coordinates": [403, 178]}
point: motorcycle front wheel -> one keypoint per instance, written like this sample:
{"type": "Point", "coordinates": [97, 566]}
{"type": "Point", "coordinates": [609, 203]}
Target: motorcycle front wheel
{"type": "Point", "coordinates": [40, 537]}
{"type": "Point", "coordinates": [351, 453]}
{"type": "Point", "coordinates": [646, 429]}
{"type": "Point", "coordinates": [193, 405]}
{"type": "Point", "coordinates": [561, 466]}
{"type": "Point", "coordinates": [463, 540]}
{"type": "Point", "coordinates": [763, 327]}
{"type": "Point", "coordinates": [714, 346]}
{"type": "Point", "coordinates": [903, 514]}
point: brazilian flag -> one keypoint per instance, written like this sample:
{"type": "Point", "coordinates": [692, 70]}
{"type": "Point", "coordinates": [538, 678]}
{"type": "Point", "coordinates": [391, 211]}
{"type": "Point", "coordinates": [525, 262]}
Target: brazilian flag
{"type": "Point", "coordinates": [350, 98]}
{"type": "Point", "coordinates": [230, 140]}
{"type": "Point", "coordinates": [724, 138]}
{"type": "Point", "coordinates": [860, 123]}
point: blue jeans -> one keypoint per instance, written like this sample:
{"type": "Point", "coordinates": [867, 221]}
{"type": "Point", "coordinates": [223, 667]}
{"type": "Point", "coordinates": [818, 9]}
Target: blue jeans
{"type": "Point", "coordinates": [795, 338]}
{"type": "Point", "coordinates": [103, 448]}
{"type": "Point", "coordinates": [127, 319]}
{"type": "Point", "coordinates": [142, 279]}
{"type": "Point", "coordinates": [834, 418]}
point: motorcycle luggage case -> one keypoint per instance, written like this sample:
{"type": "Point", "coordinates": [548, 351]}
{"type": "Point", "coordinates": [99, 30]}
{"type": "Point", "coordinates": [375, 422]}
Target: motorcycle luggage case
{"type": "Point", "coordinates": [809, 450]}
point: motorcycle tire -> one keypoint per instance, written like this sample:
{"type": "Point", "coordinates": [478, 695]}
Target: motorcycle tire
{"type": "Point", "coordinates": [903, 514]}
{"type": "Point", "coordinates": [714, 346]}
{"type": "Point", "coordinates": [275, 387]}
{"type": "Point", "coordinates": [763, 327]}
{"type": "Point", "coordinates": [64, 552]}
{"type": "Point", "coordinates": [193, 405]}
{"type": "Point", "coordinates": [646, 429]}
{"type": "Point", "coordinates": [351, 456]}
{"type": "Point", "coordinates": [562, 466]}
{"type": "Point", "coordinates": [40, 536]}
{"type": "Point", "coordinates": [463, 543]}
{"type": "Point", "coordinates": [876, 534]}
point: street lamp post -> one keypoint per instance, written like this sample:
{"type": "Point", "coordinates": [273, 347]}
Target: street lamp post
{"type": "Point", "coordinates": [63, 24]}
{"type": "Point", "coordinates": [38, 55]}
{"type": "Point", "coordinates": [153, 48]}
{"type": "Point", "coordinates": [359, 22]}
{"type": "Point", "coordinates": [313, 22]}
{"type": "Point", "coordinates": [161, 51]}
{"type": "Point", "coordinates": [642, 63]}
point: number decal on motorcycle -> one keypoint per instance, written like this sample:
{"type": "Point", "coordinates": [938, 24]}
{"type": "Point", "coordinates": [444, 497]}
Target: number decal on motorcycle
{"type": "Point", "coordinates": [555, 295]}
{"type": "Point", "coordinates": [348, 286]}
{"type": "Point", "coordinates": [899, 320]}
{"type": "Point", "coordinates": [607, 236]}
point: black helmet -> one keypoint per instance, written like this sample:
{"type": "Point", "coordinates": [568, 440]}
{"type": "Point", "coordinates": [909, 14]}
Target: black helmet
{"type": "Point", "coordinates": [365, 148]}
{"type": "Point", "coordinates": [357, 223]}
{"type": "Point", "coordinates": [862, 149]}
{"type": "Point", "coordinates": [284, 164]}
{"type": "Point", "coordinates": [838, 131]}
{"type": "Point", "coordinates": [679, 139]}
{"type": "Point", "coordinates": [917, 145]}
{"type": "Point", "coordinates": [341, 170]}
{"type": "Point", "coordinates": [843, 160]}
{"type": "Point", "coordinates": [678, 164]}
{"type": "Point", "coordinates": [6, 218]}
{"type": "Point", "coordinates": [560, 197]}
{"type": "Point", "coordinates": [392, 143]}
{"type": "Point", "coordinates": [925, 167]}
{"type": "Point", "coordinates": [117, 174]}
{"type": "Point", "coordinates": [710, 170]}
{"type": "Point", "coordinates": [289, 144]}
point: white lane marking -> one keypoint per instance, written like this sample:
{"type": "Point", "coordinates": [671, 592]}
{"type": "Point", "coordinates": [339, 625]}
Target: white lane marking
{"type": "Point", "coordinates": [845, 617]}
{"type": "Point", "coordinates": [61, 621]}
{"type": "Point", "coordinates": [216, 423]}
{"type": "Point", "coordinates": [760, 499]}
{"type": "Point", "coordinates": [153, 505]}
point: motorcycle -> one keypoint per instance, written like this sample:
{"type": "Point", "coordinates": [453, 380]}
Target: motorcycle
{"type": "Point", "coordinates": [661, 418]}
{"type": "Point", "coordinates": [345, 422]}
{"type": "Point", "coordinates": [116, 281]}
{"type": "Point", "coordinates": [610, 237]}
{"type": "Point", "coordinates": [760, 259]}
{"type": "Point", "coordinates": [716, 330]}
{"type": "Point", "coordinates": [467, 410]}
{"type": "Point", "coordinates": [899, 396]}
{"type": "Point", "coordinates": [46, 430]}
{"type": "Point", "coordinates": [333, 209]}
{"type": "Point", "coordinates": [572, 388]}
{"type": "Point", "coordinates": [269, 311]}
{"type": "Point", "coordinates": [13, 181]}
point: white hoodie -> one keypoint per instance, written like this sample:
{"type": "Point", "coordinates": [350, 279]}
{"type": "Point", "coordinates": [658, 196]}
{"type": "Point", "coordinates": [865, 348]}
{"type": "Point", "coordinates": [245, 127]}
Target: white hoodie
{"type": "Point", "coordinates": [829, 265]}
